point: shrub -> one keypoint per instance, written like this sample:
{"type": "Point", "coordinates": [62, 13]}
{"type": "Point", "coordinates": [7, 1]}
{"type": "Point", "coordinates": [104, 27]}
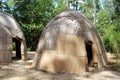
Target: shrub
{"type": "Point", "coordinates": [32, 33]}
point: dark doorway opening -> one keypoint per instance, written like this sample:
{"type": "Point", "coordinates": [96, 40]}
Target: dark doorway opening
{"type": "Point", "coordinates": [89, 51]}
{"type": "Point", "coordinates": [17, 48]}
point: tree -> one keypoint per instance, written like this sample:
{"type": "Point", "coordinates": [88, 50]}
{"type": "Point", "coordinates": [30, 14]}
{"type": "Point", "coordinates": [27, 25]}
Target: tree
{"type": "Point", "coordinates": [94, 3]}
{"type": "Point", "coordinates": [86, 7]}
{"type": "Point", "coordinates": [4, 7]}
{"type": "Point", "coordinates": [108, 26]}
{"type": "Point", "coordinates": [117, 6]}
{"type": "Point", "coordinates": [74, 4]}
{"type": "Point", "coordinates": [33, 15]}
{"type": "Point", "coordinates": [68, 4]}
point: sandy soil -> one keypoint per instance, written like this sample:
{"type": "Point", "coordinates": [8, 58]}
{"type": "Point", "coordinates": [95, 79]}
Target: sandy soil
{"type": "Point", "coordinates": [20, 70]}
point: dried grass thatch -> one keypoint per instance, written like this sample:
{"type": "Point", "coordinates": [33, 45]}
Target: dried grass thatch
{"type": "Point", "coordinates": [69, 43]}
{"type": "Point", "coordinates": [5, 45]}
{"type": "Point", "coordinates": [8, 21]}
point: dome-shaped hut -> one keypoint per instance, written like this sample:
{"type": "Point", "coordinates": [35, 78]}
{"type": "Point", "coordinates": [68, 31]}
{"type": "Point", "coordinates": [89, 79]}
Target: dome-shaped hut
{"type": "Point", "coordinates": [69, 43]}
{"type": "Point", "coordinates": [8, 22]}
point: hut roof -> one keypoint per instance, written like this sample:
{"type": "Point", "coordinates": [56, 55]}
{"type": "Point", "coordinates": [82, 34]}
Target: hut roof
{"type": "Point", "coordinates": [72, 23]}
{"type": "Point", "coordinates": [8, 21]}
{"type": "Point", "coordinates": [4, 32]}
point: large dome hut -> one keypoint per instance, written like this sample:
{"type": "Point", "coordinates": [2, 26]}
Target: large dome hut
{"type": "Point", "coordinates": [69, 43]}
{"type": "Point", "coordinates": [10, 25]}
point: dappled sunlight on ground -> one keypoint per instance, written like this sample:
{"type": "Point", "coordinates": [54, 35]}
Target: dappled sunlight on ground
{"type": "Point", "coordinates": [21, 70]}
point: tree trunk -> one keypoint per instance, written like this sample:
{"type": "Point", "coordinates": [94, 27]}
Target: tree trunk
{"type": "Point", "coordinates": [94, 3]}
{"type": "Point", "coordinates": [68, 4]}
{"type": "Point", "coordinates": [76, 5]}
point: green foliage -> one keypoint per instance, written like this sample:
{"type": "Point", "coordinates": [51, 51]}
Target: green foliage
{"type": "Point", "coordinates": [117, 6]}
{"type": "Point", "coordinates": [4, 7]}
{"type": "Point", "coordinates": [33, 15]}
{"type": "Point", "coordinates": [60, 6]}
{"type": "Point", "coordinates": [10, 3]}
{"type": "Point", "coordinates": [87, 8]}
{"type": "Point", "coordinates": [36, 11]}
{"type": "Point", "coordinates": [75, 4]}
{"type": "Point", "coordinates": [14, 47]}
{"type": "Point", "coordinates": [109, 27]}
{"type": "Point", "coordinates": [103, 25]}
{"type": "Point", "coordinates": [32, 33]}
{"type": "Point", "coordinates": [108, 21]}
{"type": "Point", "coordinates": [30, 11]}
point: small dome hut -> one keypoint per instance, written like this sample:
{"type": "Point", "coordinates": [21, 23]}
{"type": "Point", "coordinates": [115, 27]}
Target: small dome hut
{"type": "Point", "coordinates": [8, 23]}
{"type": "Point", "coordinates": [69, 43]}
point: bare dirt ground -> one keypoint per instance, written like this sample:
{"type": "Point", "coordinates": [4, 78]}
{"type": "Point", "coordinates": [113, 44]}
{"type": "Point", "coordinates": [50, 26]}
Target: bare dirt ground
{"type": "Point", "coordinates": [20, 70]}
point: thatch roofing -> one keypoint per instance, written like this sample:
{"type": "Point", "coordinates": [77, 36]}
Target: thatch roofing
{"type": "Point", "coordinates": [69, 26]}
{"type": "Point", "coordinates": [9, 22]}
{"type": "Point", "coordinates": [4, 32]}
{"type": "Point", "coordinates": [70, 22]}
{"type": "Point", "coordinates": [5, 45]}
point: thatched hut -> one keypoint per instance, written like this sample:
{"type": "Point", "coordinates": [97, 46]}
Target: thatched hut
{"type": "Point", "coordinates": [8, 23]}
{"type": "Point", "coordinates": [69, 43]}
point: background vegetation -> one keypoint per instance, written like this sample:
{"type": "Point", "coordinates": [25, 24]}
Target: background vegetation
{"type": "Point", "coordinates": [33, 15]}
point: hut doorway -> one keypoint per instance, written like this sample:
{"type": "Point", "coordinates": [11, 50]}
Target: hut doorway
{"type": "Point", "coordinates": [17, 49]}
{"type": "Point", "coordinates": [89, 52]}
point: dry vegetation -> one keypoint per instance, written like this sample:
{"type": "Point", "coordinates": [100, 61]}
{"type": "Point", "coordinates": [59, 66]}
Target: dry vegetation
{"type": "Point", "coordinates": [19, 70]}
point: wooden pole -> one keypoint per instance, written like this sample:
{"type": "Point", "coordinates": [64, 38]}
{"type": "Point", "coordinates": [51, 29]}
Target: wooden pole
{"type": "Point", "coordinates": [94, 4]}
{"type": "Point", "coordinates": [68, 4]}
